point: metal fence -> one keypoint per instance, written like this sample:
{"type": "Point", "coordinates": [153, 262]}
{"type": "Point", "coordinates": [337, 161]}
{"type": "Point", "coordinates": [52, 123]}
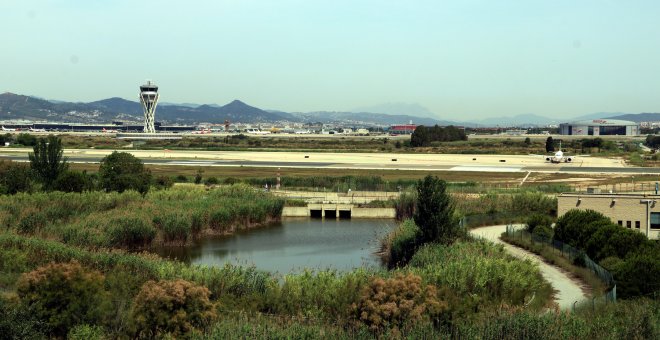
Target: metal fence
{"type": "Point", "coordinates": [576, 256]}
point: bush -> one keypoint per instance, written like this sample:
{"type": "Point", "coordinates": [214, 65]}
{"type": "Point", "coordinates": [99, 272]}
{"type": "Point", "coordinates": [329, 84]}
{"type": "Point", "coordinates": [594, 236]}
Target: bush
{"type": "Point", "coordinates": [73, 181]}
{"type": "Point", "coordinates": [163, 182]}
{"type": "Point", "coordinates": [544, 232]}
{"type": "Point", "coordinates": [211, 181]}
{"type": "Point", "coordinates": [86, 332]}
{"type": "Point", "coordinates": [14, 178]}
{"type": "Point", "coordinates": [121, 171]}
{"type": "Point", "coordinates": [395, 303]}
{"type": "Point", "coordinates": [26, 139]}
{"type": "Point", "coordinates": [171, 307]}
{"type": "Point", "coordinates": [181, 179]}
{"type": "Point", "coordinates": [130, 232]}
{"type": "Point", "coordinates": [536, 220]}
{"type": "Point", "coordinates": [64, 295]}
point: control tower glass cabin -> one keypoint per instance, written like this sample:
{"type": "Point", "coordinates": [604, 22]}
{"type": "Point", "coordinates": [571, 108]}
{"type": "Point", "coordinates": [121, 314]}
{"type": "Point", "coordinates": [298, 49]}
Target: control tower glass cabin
{"type": "Point", "coordinates": [149, 100]}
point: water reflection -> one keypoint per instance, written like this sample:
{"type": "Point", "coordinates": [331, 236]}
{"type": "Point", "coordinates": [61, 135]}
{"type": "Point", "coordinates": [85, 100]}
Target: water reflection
{"type": "Point", "coordinates": [293, 245]}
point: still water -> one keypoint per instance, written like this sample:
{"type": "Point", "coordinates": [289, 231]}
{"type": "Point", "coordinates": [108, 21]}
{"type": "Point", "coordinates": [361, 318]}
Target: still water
{"type": "Point", "coordinates": [292, 245]}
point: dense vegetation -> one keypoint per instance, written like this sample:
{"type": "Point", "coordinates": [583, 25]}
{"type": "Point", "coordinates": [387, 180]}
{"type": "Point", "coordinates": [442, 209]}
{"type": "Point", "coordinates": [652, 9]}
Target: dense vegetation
{"type": "Point", "coordinates": [424, 136]}
{"type": "Point", "coordinates": [130, 220]}
{"type": "Point", "coordinates": [628, 254]}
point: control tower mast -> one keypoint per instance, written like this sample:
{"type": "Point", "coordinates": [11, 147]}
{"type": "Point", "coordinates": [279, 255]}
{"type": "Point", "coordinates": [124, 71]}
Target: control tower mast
{"type": "Point", "coordinates": [149, 100]}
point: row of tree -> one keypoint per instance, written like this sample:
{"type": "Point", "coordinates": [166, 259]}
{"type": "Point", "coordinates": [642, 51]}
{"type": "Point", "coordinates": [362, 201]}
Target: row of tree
{"type": "Point", "coordinates": [49, 170]}
{"type": "Point", "coordinates": [424, 136]}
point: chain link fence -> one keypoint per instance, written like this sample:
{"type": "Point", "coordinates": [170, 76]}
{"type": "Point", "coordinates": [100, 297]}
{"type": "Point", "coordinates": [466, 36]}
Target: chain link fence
{"type": "Point", "coordinates": [577, 257]}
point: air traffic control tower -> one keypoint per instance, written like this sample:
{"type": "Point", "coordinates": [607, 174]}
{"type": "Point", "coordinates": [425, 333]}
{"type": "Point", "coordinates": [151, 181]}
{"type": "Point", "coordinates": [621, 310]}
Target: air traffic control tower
{"type": "Point", "coordinates": [149, 100]}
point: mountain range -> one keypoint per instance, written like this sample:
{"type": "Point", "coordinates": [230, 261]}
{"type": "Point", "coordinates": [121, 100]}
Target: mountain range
{"type": "Point", "coordinates": [21, 107]}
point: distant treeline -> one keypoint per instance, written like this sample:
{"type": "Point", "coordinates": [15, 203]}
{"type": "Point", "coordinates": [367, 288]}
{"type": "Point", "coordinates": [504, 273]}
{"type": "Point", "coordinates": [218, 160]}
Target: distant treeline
{"type": "Point", "coordinates": [423, 136]}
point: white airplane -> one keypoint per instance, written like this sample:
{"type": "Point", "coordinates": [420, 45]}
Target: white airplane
{"type": "Point", "coordinates": [4, 129]}
{"type": "Point", "coordinates": [109, 131]}
{"type": "Point", "coordinates": [257, 132]}
{"type": "Point", "coordinates": [559, 157]}
{"type": "Point", "coordinates": [36, 130]}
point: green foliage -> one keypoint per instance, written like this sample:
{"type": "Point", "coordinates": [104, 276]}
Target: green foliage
{"type": "Point", "coordinates": [401, 244]}
{"type": "Point", "coordinates": [175, 227]}
{"type": "Point", "coordinates": [47, 161]}
{"type": "Point", "coordinates": [131, 232]}
{"type": "Point", "coordinates": [211, 181]}
{"type": "Point", "coordinates": [163, 182]}
{"type": "Point", "coordinates": [64, 295]}
{"type": "Point", "coordinates": [549, 145]}
{"type": "Point", "coordinates": [575, 227]}
{"type": "Point", "coordinates": [638, 275]}
{"type": "Point", "coordinates": [171, 307]}
{"type": "Point", "coordinates": [14, 178]}
{"type": "Point", "coordinates": [86, 332]}
{"type": "Point", "coordinates": [538, 220]}
{"type": "Point", "coordinates": [479, 270]}
{"type": "Point", "coordinates": [434, 213]}
{"type": "Point", "coordinates": [198, 176]}
{"type": "Point", "coordinates": [19, 321]}
{"type": "Point", "coordinates": [26, 139]}
{"type": "Point", "coordinates": [424, 136]}
{"type": "Point", "coordinates": [544, 232]}
{"type": "Point", "coordinates": [653, 141]}
{"type": "Point", "coordinates": [73, 181]}
{"type": "Point", "coordinates": [405, 205]}
{"type": "Point", "coordinates": [121, 171]}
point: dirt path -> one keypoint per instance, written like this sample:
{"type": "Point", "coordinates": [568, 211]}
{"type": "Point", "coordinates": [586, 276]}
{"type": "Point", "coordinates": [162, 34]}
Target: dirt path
{"type": "Point", "coordinates": [568, 290]}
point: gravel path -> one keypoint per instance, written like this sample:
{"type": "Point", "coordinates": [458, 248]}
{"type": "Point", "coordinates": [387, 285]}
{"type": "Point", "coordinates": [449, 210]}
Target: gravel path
{"type": "Point", "coordinates": [567, 289]}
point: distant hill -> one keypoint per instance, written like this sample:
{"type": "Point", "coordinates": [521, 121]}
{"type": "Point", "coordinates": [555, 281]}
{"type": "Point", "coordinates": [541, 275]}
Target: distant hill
{"type": "Point", "coordinates": [360, 118]}
{"type": "Point", "coordinates": [20, 107]}
{"type": "Point", "coordinates": [639, 117]}
{"type": "Point", "coordinates": [523, 120]}
{"type": "Point", "coordinates": [398, 109]}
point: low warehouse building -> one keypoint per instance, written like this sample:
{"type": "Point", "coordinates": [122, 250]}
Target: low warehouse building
{"type": "Point", "coordinates": [600, 127]}
{"type": "Point", "coordinates": [633, 211]}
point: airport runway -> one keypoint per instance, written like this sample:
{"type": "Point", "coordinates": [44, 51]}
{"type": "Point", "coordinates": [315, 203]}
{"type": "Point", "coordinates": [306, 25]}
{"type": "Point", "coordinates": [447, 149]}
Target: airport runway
{"type": "Point", "coordinates": [379, 161]}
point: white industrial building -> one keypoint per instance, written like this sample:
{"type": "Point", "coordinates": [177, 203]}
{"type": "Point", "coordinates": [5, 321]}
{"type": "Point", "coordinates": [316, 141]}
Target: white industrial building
{"type": "Point", "coordinates": [600, 127]}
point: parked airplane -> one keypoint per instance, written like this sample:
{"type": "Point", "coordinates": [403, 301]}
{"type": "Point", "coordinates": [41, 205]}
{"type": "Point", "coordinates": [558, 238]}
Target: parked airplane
{"type": "Point", "coordinates": [37, 130]}
{"type": "Point", "coordinates": [109, 131]}
{"type": "Point", "coordinates": [4, 129]}
{"type": "Point", "coordinates": [257, 132]}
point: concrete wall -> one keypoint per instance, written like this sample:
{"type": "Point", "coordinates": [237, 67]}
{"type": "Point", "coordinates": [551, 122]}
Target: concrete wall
{"type": "Point", "coordinates": [373, 213]}
{"type": "Point", "coordinates": [624, 208]}
{"type": "Point", "coordinates": [295, 212]}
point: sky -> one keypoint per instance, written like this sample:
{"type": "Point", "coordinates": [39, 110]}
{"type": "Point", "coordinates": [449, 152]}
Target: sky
{"type": "Point", "coordinates": [463, 59]}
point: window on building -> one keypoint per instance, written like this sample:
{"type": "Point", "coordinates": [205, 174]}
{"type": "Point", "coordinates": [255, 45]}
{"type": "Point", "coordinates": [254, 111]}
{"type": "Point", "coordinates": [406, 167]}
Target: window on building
{"type": "Point", "coordinates": [655, 220]}
{"type": "Point", "coordinates": [637, 224]}
{"type": "Point", "coordinates": [628, 224]}
{"type": "Point", "coordinates": [620, 223]}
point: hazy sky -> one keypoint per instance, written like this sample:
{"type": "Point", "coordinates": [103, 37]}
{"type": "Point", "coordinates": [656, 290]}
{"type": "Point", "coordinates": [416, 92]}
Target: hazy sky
{"type": "Point", "coordinates": [460, 59]}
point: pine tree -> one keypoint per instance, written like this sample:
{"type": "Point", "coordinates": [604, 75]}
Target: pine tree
{"type": "Point", "coordinates": [434, 214]}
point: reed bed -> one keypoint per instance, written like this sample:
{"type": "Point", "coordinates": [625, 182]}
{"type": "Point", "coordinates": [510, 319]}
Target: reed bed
{"type": "Point", "coordinates": [129, 220]}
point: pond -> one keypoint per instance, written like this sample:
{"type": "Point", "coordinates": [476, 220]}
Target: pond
{"type": "Point", "coordinates": [292, 245]}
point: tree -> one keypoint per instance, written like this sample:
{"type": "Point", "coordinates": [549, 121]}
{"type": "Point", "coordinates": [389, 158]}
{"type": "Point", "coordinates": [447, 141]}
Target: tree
{"type": "Point", "coordinates": [434, 214]}
{"type": "Point", "coordinates": [47, 161]}
{"type": "Point", "coordinates": [528, 141]}
{"type": "Point", "coordinates": [549, 145]}
{"type": "Point", "coordinates": [121, 171]}
{"type": "Point", "coordinates": [26, 139]}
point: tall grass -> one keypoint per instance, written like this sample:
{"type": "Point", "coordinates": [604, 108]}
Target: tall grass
{"type": "Point", "coordinates": [481, 269]}
{"type": "Point", "coordinates": [128, 220]}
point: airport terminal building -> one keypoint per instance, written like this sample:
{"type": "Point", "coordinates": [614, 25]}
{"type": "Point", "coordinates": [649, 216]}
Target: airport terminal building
{"type": "Point", "coordinates": [600, 127]}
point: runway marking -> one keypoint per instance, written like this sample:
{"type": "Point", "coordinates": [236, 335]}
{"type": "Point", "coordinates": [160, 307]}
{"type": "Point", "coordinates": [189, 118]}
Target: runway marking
{"type": "Point", "coordinates": [191, 162]}
{"type": "Point", "coordinates": [486, 168]}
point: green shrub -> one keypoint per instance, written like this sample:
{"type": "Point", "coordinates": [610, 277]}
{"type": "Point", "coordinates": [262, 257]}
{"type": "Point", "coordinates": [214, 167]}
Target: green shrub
{"type": "Point", "coordinates": [536, 220]}
{"type": "Point", "coordinates": [72, 181]}
{"type": "Point", "coordinates": [171, 307]}
{"type": "Point", "coordinates": [130, 232]}
{"type": "Point", "coordinates": [211, 181]}
{"type": "Point", "coordinates": [64, 295]}
{"type": "Point", "coordinates": [86, 332]}
{"type": "Point", "coordinates": [163, 182]}
{"type": "Point", "coordinates": [32, 223]}
{"type": "Point", "coordinates": [544, 232]}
